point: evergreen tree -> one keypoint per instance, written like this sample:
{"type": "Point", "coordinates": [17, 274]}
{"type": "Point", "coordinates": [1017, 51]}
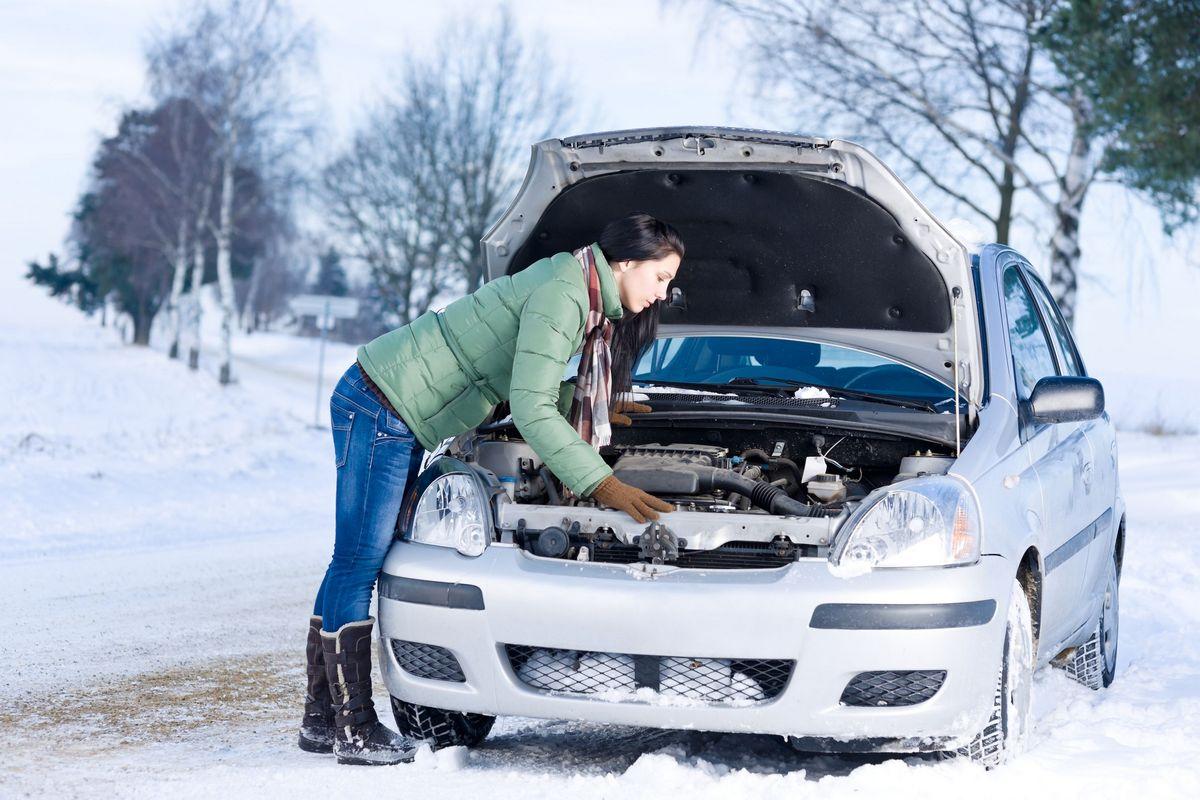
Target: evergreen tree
{"type": "Point", "coordinates": [1139, 64]}
{"type": "Point", "coordinates": [331, 275]}
{"type": "Point", "coordinates": [108, 237]}
{"type": "Point", "coordinates": [74, 285]}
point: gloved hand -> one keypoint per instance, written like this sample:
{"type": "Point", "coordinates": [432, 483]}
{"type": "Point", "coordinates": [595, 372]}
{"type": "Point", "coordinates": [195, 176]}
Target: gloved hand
{"type": "Point", "coordinates": [622, 408]}
{"type": "Point", "coordinates": [633, 501]}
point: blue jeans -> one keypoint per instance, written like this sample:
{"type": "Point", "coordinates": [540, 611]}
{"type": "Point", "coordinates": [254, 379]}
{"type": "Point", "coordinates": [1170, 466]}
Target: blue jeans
{"type": "Point", "coordinates": [376, 457]}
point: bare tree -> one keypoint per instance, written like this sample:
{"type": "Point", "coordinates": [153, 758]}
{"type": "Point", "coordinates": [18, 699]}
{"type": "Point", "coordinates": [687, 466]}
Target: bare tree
{"type": "Point", "coordinates": [235, 63]}
{"type": "Point", "coordinates": [386, 199]}
{"type": "Point", "coordinates": [960, 94]}
{"type": "Point", "coordinates": [438, 160]}
{"type": "Point", "coordinates": [276, 278]}
{"type": "Point", "coordinates": [497, 97]}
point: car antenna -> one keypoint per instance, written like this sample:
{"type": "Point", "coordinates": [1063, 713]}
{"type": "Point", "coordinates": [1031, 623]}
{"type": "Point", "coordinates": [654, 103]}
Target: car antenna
{"type": "Point", "coordinates": [954, 306]}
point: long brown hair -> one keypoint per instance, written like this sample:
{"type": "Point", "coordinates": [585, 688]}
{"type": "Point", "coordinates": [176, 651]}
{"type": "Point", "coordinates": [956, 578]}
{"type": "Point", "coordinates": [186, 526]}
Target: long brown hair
{"type": "Point", "coordinates": [636, 237]}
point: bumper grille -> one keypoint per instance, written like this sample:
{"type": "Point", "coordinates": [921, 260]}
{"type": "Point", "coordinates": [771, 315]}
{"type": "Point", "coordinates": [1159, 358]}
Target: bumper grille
{"type": "Point", "coordinates": [427, 661]}
{"type": "Point", "coordinates": [892, 688]}
{"type": "Point", "coordinates": [731, 555]}
{"type": "Point", "coordinates": [622, 675]}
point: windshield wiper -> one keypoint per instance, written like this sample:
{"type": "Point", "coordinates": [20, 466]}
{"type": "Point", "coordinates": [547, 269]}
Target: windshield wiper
{"type": "Point", "coordinates": [838, 391]}
{"type": "Point", "coordinates": [761, 384]}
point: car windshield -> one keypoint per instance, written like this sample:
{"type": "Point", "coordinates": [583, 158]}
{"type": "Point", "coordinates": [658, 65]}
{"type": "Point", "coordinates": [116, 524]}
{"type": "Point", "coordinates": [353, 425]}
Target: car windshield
{"type": "Point", "coordinates": [721, 360]}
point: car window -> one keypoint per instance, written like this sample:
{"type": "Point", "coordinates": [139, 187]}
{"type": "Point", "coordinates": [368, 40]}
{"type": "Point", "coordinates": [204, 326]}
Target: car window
{"type": "Point", "coordinates": [1032, 359]}
{"type": "Point", "coordinates": [1068, 355]}
{"type": "Point", "coordinates": [720, 360]}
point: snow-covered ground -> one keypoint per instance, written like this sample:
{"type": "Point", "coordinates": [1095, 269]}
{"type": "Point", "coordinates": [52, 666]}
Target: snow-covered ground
{"type": "Point", "coordinates": [161, 539]}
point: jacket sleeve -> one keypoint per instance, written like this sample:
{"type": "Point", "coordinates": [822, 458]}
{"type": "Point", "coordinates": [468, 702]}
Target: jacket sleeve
{"type": "Point", "coordinates": [551, 320]}
{"type": "Point", "coordinates": [566, 394]}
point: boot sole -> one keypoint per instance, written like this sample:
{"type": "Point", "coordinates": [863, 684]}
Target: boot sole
{"type": "Point", "coordinates": [314, 745]}
{"type": "Point", "coordinates": [363, 762]}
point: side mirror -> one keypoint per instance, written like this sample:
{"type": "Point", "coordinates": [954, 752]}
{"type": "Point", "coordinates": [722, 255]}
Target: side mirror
{"type": "Point", "coordinates": [1066, 399]}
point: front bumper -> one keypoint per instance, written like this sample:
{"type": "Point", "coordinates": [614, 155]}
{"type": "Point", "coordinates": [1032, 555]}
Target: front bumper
{"type": "Point", "coordinates": [889, 620]}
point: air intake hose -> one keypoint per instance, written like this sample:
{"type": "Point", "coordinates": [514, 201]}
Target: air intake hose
{"type": "Point", "coordinates": [761, 493]}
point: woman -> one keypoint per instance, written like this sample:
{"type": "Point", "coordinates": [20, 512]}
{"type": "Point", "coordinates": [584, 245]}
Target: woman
{"type": "Point", "coordinates": [443, 374]}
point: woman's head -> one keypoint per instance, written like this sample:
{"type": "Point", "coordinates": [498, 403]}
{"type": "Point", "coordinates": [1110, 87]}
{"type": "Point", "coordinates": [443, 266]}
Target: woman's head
{"type": "Point", "coordinates": [644, 254]}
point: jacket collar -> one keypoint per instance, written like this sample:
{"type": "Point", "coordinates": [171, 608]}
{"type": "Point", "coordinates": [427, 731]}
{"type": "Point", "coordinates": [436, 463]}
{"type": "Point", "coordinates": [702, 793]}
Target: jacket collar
{"type": "Point", "coordinates": [609, 294]}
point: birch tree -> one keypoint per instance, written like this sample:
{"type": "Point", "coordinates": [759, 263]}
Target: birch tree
{"type": "Point", "coordinates": [235, 62]}
{"type": "Point", "coordinates": [174, 160]}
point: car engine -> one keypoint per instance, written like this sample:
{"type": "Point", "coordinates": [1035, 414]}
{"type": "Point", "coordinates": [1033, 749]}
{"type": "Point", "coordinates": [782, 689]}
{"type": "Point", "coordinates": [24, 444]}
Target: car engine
{"type": "Point", "coordinates": [715, 478]}
{"type": "Point", "coordinates": [703, 475]}
{"type": "Point", "coordinates": [774, 509]}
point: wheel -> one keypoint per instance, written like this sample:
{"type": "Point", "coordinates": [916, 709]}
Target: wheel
{"type": "Point", "coordinates": [439, 727]}
{"type": "Point", "coordinates": [1004, 734]}
{"type": "Point", "coordinates": [1094, 663]}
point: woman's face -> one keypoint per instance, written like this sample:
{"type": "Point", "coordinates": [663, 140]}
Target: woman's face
{"type": "Point", "coordinates": [642, 282]}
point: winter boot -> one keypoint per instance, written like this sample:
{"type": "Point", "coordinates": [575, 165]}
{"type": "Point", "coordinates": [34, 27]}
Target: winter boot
{"type": "Point", "coordinates": [316, 729]}
{"type": "Point", "coordinates": [359, 738]}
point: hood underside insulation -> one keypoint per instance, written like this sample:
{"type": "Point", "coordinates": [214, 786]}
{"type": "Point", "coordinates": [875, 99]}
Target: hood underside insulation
{"type": "Point", "coordinates": [757, 239]}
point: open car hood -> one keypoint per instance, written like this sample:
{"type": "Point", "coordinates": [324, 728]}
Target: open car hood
{"type": "Point", "coordinates": [816, 236]}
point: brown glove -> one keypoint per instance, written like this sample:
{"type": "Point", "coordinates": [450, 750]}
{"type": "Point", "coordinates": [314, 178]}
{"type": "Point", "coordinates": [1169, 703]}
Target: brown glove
{"type": "Point", "coordinates": [633, 501]}
{"type": "Point", "coordinates": [622, 408]}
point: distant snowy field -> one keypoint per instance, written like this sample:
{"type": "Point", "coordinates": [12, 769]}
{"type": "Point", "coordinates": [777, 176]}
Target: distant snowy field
{"type": "Point", "coordinates": [161, 538]}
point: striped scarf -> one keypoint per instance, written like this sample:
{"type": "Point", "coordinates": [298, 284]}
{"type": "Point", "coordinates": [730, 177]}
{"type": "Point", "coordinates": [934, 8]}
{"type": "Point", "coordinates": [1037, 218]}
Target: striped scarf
{"type": "Point", "coordinates": [589, 408]}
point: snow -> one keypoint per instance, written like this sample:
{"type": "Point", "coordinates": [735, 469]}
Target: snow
{"type": "Point", "coordinates": [849, 568]}
{"type": "Point", "coordinates": [803, 393]}
{"type": "Point", "coordinates": [565, 671]}
{"type": "Point", "coordinates": [649, 389]}
{"type": "Point", "coordinates": [161, 539]}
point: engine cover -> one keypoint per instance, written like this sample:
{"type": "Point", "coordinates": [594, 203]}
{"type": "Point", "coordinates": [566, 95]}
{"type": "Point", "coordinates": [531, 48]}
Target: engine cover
{"type": "Point", "coordinates": [668, 469]}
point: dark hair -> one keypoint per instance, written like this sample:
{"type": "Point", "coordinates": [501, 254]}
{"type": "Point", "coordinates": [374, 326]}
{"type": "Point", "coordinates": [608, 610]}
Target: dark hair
{"type": "Point", "coordinates": [636, 237]}
{"type": "Point", "coordinates": [639, 237]}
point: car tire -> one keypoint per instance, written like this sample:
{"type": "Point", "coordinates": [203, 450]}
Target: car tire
{"type": "Point", "coordinates": [441, 728]}
{"type": "Point", "coordinates": [1008, 725]}
{"type": "Point", "coordinates": [1094, 663]}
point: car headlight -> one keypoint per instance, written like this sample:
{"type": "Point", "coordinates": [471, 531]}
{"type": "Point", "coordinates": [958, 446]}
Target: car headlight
{"type": "Point", "coordinates": [924, 522]}
{"type": "Point", "coordinates": [451, 513]}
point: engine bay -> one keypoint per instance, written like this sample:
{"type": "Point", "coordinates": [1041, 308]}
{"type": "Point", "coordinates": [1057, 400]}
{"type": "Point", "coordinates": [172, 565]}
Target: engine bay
{"type": "Point", "coordinates": [747, 494]}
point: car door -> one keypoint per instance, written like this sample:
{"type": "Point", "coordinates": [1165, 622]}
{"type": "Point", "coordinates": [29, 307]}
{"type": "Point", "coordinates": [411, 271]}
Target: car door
{"type": "Point", "coordinates": [1100, 476]}
{"type": "Point", "coordinates": [1060, 454]}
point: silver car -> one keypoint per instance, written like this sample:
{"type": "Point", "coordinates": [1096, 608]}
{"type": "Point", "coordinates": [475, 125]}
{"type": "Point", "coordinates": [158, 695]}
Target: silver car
{"type": "Point", "coordinates": [896, 487]}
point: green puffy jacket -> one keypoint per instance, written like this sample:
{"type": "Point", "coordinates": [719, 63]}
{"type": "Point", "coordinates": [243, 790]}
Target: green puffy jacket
{"type": "Point", "coordinates": [510, 340]}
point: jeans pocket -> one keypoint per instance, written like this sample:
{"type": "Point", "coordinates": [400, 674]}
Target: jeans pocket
{"type": "Point", "coordinates": [341, 421]}
{"type": "Point", "coordinates": [392, 427]}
